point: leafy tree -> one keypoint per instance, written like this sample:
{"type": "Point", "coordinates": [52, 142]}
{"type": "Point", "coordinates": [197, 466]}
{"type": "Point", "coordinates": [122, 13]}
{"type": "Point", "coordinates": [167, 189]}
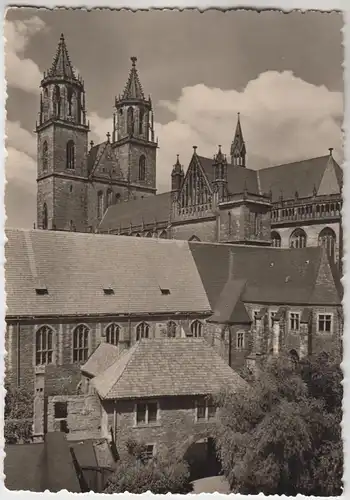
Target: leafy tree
{"type": "Point", "coordinates": [18, 415]}
{"type": "Point", "coordinates": [282, 434]}
{"type": "Point", "coordinates": [136, 474]}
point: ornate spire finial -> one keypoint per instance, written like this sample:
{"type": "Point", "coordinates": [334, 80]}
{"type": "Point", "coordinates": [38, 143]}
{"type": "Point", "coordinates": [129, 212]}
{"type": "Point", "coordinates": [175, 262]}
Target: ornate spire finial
{"type": "Point", "coordinates": [108, 136]}
{"type": "Point", "coordinates": [133, 88]}
{"type": "Point", "coordinates": [133, 60]}
{"type": "Point", "coordinates": [61, 65]}
{"type": "Point", "coordinates": [195, 150]}
{"type": "Point", "coordinates": [330, 151]}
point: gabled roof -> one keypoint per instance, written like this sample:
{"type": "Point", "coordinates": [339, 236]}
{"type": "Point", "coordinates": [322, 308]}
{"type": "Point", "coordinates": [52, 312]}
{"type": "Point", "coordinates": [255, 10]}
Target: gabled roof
{"type": "Point", "coordinates": [272, 275]}
{"type": "Point", "coordinates": [148, 210]}
{"type": "Point", "coordinates": [133, 88]}
{"type": "Point", "coordinates": [100, 359]}
{"type": "Point", "coordinates": [166, 367]}
{"type": "Point", "coordinates": [76, 267]}
{"type": "Point", "coordinates": [102, 161]}
{"type": "Point", "coordinates": [302, 177]}
{"type": "Point", "coordinates": [229, 308]}
{"type": "Point", "coordinates": [61, 65]}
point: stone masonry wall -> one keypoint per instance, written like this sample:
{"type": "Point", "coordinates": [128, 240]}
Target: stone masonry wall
{"type": "Point", "coordinates": [204, 230]}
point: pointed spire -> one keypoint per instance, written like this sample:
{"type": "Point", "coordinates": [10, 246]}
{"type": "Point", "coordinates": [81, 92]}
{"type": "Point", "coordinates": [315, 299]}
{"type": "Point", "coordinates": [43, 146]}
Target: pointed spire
{"type": "Point", "coordinates": [238, 149]}
{"type": "Point", "coordinates": [177, 169]}
{"type": "Point", "coordinates": [220, 158]}
{"type": "Point", "coordinates": [133, 88]}
{"type": "Point", "coordinates": [61, 65]}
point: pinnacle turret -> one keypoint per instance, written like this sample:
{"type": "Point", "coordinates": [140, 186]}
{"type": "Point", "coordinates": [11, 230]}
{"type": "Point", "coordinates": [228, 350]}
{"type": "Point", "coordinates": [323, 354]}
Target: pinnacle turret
{"type": "Point", "coordinates": [238, 149]}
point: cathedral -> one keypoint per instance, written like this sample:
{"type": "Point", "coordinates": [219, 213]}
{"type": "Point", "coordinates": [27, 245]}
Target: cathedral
{"type": "Point", "coordinates": [111, 187]}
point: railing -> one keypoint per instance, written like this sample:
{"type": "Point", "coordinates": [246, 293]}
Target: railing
{"type": "Point", "coordinates": [308, 209]}
{"type": "Point", "coordinates": [194, 209]}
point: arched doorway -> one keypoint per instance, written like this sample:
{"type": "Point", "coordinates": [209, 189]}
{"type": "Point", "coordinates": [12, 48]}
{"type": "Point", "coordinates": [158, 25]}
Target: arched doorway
{"type": "Point", "coordinates": [202, 458]}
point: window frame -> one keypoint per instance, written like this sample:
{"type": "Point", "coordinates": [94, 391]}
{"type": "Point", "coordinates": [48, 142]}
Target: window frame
{"type": "Point", "coordinates": [240, 345]}
{"type": "Point", "coordinates": [206, 406]}
{"type": "Point", "coordinates": [146, 423]}
{"type": "Point", "coordinates": [193, 334]}
{"type": "Point", "coordinates": [331, 315]}
{"type": "Point", "coordinates": [142, 323]}
{"type": "Point", "coordinates": [298, 313]}
{"type": "Point", "coordinates": [70, 155]}
{"type": "Point", "coordinates": [106, 332]}
{"type": "Point", "coordinates": [42, 352]}
{"type": "Point", "coordinates": [171, 324]}
{"type": "Point", "coordinates": [78, 348]}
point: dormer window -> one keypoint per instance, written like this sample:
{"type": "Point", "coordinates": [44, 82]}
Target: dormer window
{"type": "Point", "coordinates": [41, 290]}
{"type": "Point", "coordinates": [165, 291]}
{"type": "Point", "coordinates": [108, 291]}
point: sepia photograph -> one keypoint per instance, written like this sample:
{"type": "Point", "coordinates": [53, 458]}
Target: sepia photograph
{"type": "Point", "coordinates": [174, 248]}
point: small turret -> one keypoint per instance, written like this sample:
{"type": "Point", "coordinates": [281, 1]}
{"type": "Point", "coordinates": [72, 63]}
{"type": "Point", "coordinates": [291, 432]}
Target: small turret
{"type": "Point", "coordinates": [177, 176]}
{"type": "Point", "coordinates": [238, 149]}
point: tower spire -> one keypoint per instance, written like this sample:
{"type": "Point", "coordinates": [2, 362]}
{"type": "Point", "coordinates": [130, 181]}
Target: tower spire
{"type": "Point", "coordinates": [238, 149]}
{"type": "Point", "coordinates": [133, 88]}
{"type": "Point", "coordinates": [61, 66]}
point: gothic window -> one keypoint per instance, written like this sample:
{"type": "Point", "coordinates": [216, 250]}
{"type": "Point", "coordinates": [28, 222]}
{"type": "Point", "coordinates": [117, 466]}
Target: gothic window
{"type": "Point", "coordinates": [57, 101]}
{"type": "Point", "coordinates": [257, 224]}
{"type": "Point", "coordinates": [99, 204]}
{"type": "Point", "coordinates": [276, 239]}
{"type": "Point", "coordinates": [112, 334]}
{"type": "Point", "coordinates": [44, 346]}
{"type": "Point", "coordinates": [109, 197]}
{"type": "Point", "coordinates": [240, 340]}
{"type": "Point", "coordinates": [171, 329]}
{"type": "Point", "coordinates": [80, 343]}
{"type": "Point", "coordinates": [130, 122]}
{"type": "Point", "coordinates": [45, 217]}
{"type": "Point", "coordinates": [327, 239]}
{"type": "Point", "coordinates": [70, 100]}
{"type": "Point", "coordinates": [70, 155]}
{"type": "Point", "coordinates": [298, 239]}
{"type": "Point", "coordinates": [142, 331]}
{"type": "Point", "coordinates": [142, 168]}
{"type": "Point", "coordinates": [45, 155]}
{"type": "Point", "coordinates": [196, 328]}
{"type": "Point", "coordinates": [141, 117]}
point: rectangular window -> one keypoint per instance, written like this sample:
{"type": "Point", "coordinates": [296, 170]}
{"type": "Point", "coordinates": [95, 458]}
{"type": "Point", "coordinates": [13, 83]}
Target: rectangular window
{"type": "Point", "coordinates": [148, 453]}
{"type": "Point", "coordinates": [61, 410]}
{"type": "Point", "coordinates": [294, 321]}
{"type": "Point", "coordinates": [325, 323]}
{"type": "Point", "coordinates": [146, 413]}
{"type": "Point", "coordinates": [240, 340]}
{"type": "Point", "coordinates": [205, 410]}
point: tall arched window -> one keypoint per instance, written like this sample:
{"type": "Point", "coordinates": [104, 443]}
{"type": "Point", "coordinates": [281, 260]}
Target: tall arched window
{"type": "Point", "coordinates": [57, 101]}
{"type": "Point", "coordinates": [99, 204]}
{"type": "Point", "coordinates": [142, 331]}
{"type": "Point", "coordinates": [141, 118]}
{"type": "Point", "coordinates": [80, 343]}
{"type": "Point", "coordinates": [171, 329]}
{"type": "Point", "coordinates": [109, 198]}
{"type": "Point", "coordinates": [70, 100]}
{"type": "Point", "coordinates": [298, 239]}
{"type": "Point", "coordinates": [196, 328]}
{"type": "Point", "coordinates": [45, 155]}
{"type": "Point", "coordinates": [142, 168]}
{"type": "Point", "coordinates": [276, 239]}
{"type": "Point", "coordinates": [70, 149]}
{"type": "Point", "coordinates": [112, 334]}
{"type": "Point", "coordinates": [45, 217]}
{"type": "Point", "coordinates": [130, 121]}
{"type": "Point", "coordinates": [327, 239]}
{"type": "Point", "coordinates": [44, 346]}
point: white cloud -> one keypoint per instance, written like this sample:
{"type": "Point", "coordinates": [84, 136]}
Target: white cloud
{"type": "Point", "coordinates": [284, 119]}
{"type": "Point", "coordinates": [21, 155]}
{"type": "Point", "coordinates": [21, 72]}
{"type": "Point", "coordinates": [99, 127]}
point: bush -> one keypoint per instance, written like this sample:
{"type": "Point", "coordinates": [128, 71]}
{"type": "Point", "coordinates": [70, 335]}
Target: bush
{"type": "Point", "coordinates": [134, 474]}
{"type": "Point", "coordinates": [18, 431]}
{"type": "Point", "coordinates": [18, 415]}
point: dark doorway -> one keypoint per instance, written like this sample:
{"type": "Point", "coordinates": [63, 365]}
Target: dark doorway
{"type": "Point", "coordinates": [202, 459]}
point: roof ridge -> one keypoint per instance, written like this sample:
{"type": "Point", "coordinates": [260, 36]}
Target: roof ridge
{"type": "Point", "coordinates": [128, 353]}
{"type": "Point", "coordinates": [293, 162]}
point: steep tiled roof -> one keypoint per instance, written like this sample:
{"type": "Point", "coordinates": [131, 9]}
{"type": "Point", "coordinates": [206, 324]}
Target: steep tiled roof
{"type": "Point", "coordinates": [229, 308]}
{"type": "Point", "coordinates": [100, 359]}
{"type": "Point", "coordinates": [166, 367]}
{"type": "Point", "coordinates": [302, 176]}
{"type": "Point", "coordinates": [272, 275]}
{"type": "Point", "coordinates": [75, 268]}
{"type": "Point", "coordinates": [133, 88]}
{"type": "Point", "coordinates": [146, 210]}
{"type": "Point", "coordinates": [61, 65]}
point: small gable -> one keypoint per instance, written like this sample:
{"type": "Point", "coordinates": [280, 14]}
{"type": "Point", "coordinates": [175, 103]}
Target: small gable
{"type": "Point", "coordinates": [329, 183]}
{"type": "Point", "coordinates": [326, 290]}
{"type": "Point", "coordinates": [106, 164]}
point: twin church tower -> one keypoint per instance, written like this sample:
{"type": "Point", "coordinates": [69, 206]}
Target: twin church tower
{"type": "Point", "coordinates": [78, 180]}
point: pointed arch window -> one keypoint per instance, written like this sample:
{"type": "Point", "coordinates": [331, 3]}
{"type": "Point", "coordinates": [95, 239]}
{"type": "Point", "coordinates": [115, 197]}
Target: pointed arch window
{"type": "Point", "coordinates": [327, 240]}
{"type": "Point", "coordinates": [112, 334]}
{"type": "Point", "coordinates": [298, 239]}
{"type": "Point", "coordinates": [70, 93]}
{"type": "Point", "coordinates": [70, 151]}
{"type": "Point", "coordinates": [45, 217]}
{"type": "Point", "coordinates": [99, 204]}
{"type": "Point", "coordinates": [276, 239]}
{"type": "Point", "coordinates": [171, 329]}
{"type": "Point", "coordinates": [130, 121]}
{"type": "Point", "coordinates": [45, 156]}
{"type": "Point", "coordinates": [57, 101]}
{"type": "Point", "coordinates": [80, 343]}
{"type": "Point", "coordinates": [141, 118]}
{"type": "Point", "coordinates": [196, 328]}
{"type": "Point", "coordinates": [109, 197]}
{"type": "Point", "coordinates": [142, 331]}
{"type": "Point", "coordinates": [142, 168]}
{"type": "Point", "coordinates": [44, 346]}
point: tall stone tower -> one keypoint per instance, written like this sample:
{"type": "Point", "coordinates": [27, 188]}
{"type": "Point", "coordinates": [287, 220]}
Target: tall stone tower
{"type": "Point", "coordinates": [62, 138]}
{"type": "Point", "coordinates": [133, 136]}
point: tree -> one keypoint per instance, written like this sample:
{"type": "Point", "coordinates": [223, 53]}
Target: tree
{"type": "Point", "coordinates": [18, 415]}
{"type": "Point", "coordinates": [136, 474]}
{"type": "Point", "coordinates": [283, 434]}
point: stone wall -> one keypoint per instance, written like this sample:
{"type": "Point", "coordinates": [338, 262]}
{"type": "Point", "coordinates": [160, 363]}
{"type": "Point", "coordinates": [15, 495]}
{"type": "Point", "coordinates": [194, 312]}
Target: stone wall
{"type": "Point", "coordinates": [205, 230]}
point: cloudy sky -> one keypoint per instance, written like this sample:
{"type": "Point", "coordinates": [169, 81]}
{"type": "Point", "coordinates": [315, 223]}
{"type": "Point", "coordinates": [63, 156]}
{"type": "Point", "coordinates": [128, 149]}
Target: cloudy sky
{"type": "Point", "coordinates": [282, 72]}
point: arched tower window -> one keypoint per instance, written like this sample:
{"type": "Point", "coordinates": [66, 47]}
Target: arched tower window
{"type": "Point", "coordinates": [44, 346]}
{"type": "Point", "coordinates": [142, 168]}
{"type": "Point", "coordinates": [70, 155]}
{"type": "Point", "coordinates": [112, 334]}
{"type": "Point", "coordinates": [70, 100]}
{"type": "Point", "coordinates": [80, 343]}
{"type": "Point", "coordinates": [130, 121]}
{"type": "Point", "coordinates": [57, 101]}
{"type": "Point", "coordinates": [45, 217]}
{"type": "Point", "coordinates": [298, 239]}
{"type": "Point", "coordinates": [45, 156]}
{"type": "Point", "coordinates": [196, 328]}
{"type": "Point", "coordinates": [327, 239]}
{"type": "Point", "coordinates": [141, 118]}
{"type": "Point", "coordinates": [276, 239]}
{"type": "Point", "coordinates": [109, 198]}
{"type": "Point", "coordinates": [142, 331]}
{"type": "Point", "coordinates": [99, 204]}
